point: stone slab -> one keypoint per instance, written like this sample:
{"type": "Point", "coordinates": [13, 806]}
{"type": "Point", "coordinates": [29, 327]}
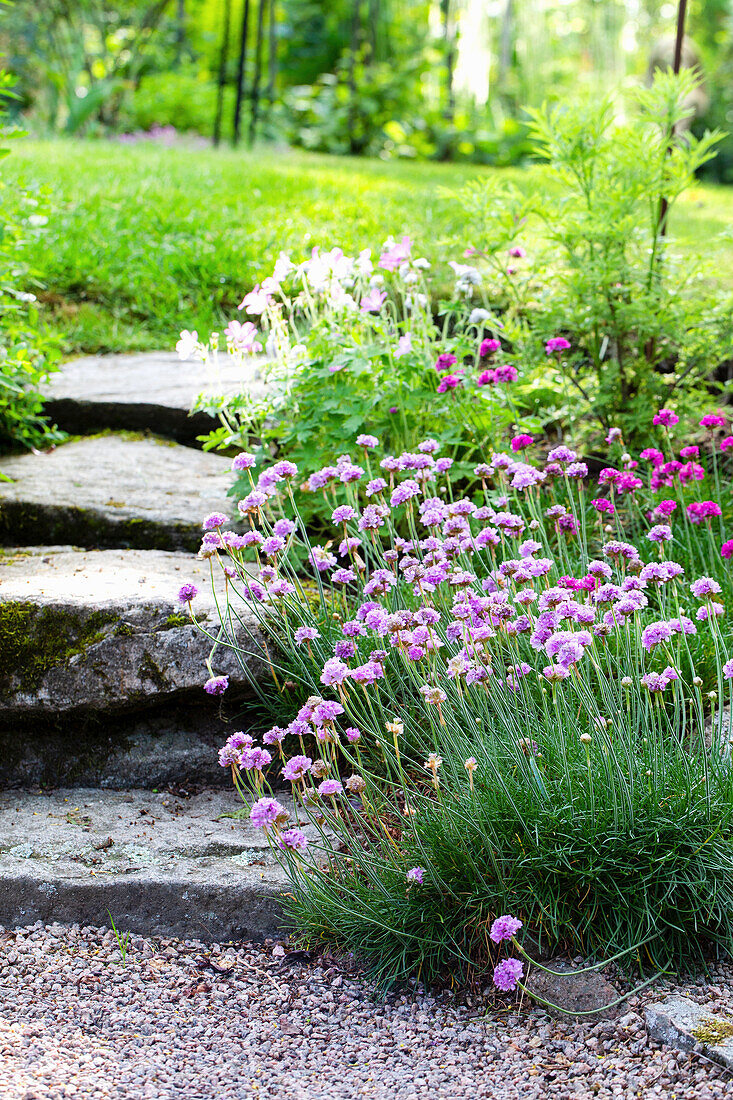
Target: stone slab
{"type": "Point", "coordinates": [575, 994]}
{"type": "Point", "coordinates": [161, 865]}
{"type": "Point", "coordinates": [681, 1023]}
{"type": "Point", "coordinates": [101, 630]}
{"type": "Point", "coordinates": [110, 491]}
{"type": "Point", "coordinates": [151, 391]}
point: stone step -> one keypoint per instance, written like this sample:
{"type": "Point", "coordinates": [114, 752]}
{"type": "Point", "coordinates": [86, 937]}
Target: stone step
{"type": "Point", "coordinates": [161, 865]}
{"type": "Point", "coordinates": [152, 391]}
{"type": "Point", "coordinates": [110, 491]}
{"type": "Point", "coordinates": [174, 746]}
{"type": "Point", "coordinates": [101, 631]}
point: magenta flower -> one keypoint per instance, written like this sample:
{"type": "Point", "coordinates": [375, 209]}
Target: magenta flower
{"type": "Point", "coordinates": [244, 461]}
{"type": "Point", "coordinates": [296, 768]}
{"type": "Point", "coordinates": [486, 378]}
{"type": "Point", "coordinates": [557, 343]}
{"type": "Point", "coordinates": [712, 420]}
{"type": "Point", "coordinates": [517, 252]}
{"type": "Point", "coordinates": [416, 874]}
{"type": "Point", "coordinates": [445, 361]}
{"type": "Point", "coordinates": [701, 510]}
{"type": "Point", "coordinates": [213, 521]}
{"type": "Point", "coordinates": [187, 592]}
{"type": "Point", "coordinates": [507, 974]}
{"type": "Point", "coordinates": [293, 840]}
{"type": "Point", "coordinates": [506, 373]}
{"type": "Point", "coordinates": [666, 418]}
{"type": "Point", "coordinates": [504, 928]}
{"type": "Point", "coordinates": [521, 442]}
{"type": "Point", "coordinates": [352, 734]}
{"type": "Point", "coordinates": [726, 550]}
{"type": "Point", "coordinates": [448, 382]}
{"type": "Point", "coordinates": [727, 443]}
{"type": "Point", "coordinates": [216, 685]}
{"type": "Point", "coordinates": [266, 811]}
{"type": "Point", "coordinates": [689, 452]}
{"type": "Point", "coordinates": [488, 347]}
{"type": "Point", "coordinates": [329, 788]}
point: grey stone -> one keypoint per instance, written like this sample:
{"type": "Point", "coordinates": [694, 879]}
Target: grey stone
{"type": "Point", "coordinates": [161, 865]}
{"type": "Point", "coordinates": [111, 491]}
{"type": "Point", "coordinates": [151, 391]}
{"type": "Point", "coordinates": [101, 630]}
{"type": "Point", "coordinates": [171, 747]}
{"type": "Point", "coordinates": [681, 1023]}
{"type": "Point", "coordinates": [574, 994]}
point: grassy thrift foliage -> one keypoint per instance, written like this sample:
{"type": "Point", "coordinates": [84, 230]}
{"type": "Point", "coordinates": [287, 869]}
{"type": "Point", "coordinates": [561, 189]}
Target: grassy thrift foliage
{"type": "Point", "coordinates": [511, 703]}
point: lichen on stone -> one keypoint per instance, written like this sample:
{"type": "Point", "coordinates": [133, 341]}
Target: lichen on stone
{"type": "Point", "coordinates": [712, 1031]}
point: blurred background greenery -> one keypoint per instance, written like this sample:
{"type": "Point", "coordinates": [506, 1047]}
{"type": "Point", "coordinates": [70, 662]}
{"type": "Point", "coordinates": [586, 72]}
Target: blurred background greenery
{"type": "Point", "coordinates": [435, 79]}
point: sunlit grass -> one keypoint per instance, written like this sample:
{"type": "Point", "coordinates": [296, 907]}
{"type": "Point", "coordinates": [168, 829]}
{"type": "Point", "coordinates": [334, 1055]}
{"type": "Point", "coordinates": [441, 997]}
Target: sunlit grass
{"type": "Point", "coordinates": [143, 241]}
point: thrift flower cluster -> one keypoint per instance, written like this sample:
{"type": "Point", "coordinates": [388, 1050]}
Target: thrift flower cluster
{"type": "Point", "coordinates": [542, 585]}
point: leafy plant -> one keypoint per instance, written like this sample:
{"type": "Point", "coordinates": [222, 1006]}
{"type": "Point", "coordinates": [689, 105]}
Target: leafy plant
{"type": "Point", "coordinates": [643, 327]}
{"type": "Point", "coordinates": [25, 354]}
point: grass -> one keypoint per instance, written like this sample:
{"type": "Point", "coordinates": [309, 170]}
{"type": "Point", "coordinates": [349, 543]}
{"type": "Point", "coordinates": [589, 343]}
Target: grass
{"type": "Point", "coordinates": [144, 241]}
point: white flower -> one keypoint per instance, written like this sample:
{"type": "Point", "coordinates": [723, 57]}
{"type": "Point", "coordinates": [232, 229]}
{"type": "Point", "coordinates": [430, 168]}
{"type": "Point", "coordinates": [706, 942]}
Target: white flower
{"type": "Point", "coordinates": [188, 344]}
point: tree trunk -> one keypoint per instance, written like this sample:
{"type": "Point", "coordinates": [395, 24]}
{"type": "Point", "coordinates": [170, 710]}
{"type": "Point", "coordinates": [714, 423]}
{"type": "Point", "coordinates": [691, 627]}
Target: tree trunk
{"type": "Point", "coordinates": [353, 90]}
{"type": "Point", "coordinates": [450, 58]}
{"type": "Point", "coordinates": [257, 78]}
{"type": "Point", "coordinates": [272, 55]}
{"type": "Point", "coordinates": [241, 68]}
{"type": "Point", "coordinates": [180, 29]}
{"type": "Point", "coordinates": [222, 71]}
{"type": "Point", "coordinates": [506, 51]}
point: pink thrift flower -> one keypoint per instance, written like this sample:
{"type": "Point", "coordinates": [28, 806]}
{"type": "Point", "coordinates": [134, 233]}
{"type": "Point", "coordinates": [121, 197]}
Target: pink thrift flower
{"type": "Point", "coordinates": [521, 442]}
{"type": "Point", "coordinates": [504, 928]}
{"type": "Point", "coordinates": [726, 550]}
{"type": "Point", "coordinates": [488, 347]}
{"type": "Point", "coordinates": [507, 974]}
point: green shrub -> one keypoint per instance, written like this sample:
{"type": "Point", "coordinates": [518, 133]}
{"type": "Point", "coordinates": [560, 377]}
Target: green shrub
{"type": "Point", "coordinates": [26, 355]}
{"type": "Point", "coordinates": [184, 98]}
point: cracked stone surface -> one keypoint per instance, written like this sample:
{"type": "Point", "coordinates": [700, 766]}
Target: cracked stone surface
{"type": "Point", "coordinates": [151, 390]}
{"type": "Point", "coordinates": [160, 864]}
{"type": "Point", "coordinates": [102, 630]}
{"type": "Point", "coordinates": [112, 491]}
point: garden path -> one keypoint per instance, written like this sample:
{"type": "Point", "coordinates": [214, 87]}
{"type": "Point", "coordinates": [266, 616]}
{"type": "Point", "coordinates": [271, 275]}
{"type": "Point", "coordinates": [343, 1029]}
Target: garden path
{"type": "Point", "coordinates": [101, 669]}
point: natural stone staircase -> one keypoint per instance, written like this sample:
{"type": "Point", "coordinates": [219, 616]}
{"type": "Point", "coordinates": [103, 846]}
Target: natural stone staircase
{"type": "Point", "coordinates": [101, 672]}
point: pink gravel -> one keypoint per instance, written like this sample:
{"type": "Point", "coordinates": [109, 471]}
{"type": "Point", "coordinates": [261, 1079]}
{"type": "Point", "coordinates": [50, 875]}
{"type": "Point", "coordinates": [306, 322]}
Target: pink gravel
{"type": "Point", "coordinates": [224, 1021]}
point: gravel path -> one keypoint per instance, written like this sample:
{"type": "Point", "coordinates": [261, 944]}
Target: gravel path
{"type": "Point", "coordinates": [75, 1022]}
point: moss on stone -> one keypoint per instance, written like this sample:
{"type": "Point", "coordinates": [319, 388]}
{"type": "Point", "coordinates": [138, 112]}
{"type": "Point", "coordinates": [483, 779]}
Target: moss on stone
{"type": "Point", "coordinates": [712, 1031]}
{"type": "Point", "coordinates": [35, 639]}
{"type": "Point", "coordinates": [177, 619]}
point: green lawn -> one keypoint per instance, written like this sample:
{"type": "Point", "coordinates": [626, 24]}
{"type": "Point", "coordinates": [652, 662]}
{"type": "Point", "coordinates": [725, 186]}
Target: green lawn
{"type": "Point", "coordinates": [143, 241]}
